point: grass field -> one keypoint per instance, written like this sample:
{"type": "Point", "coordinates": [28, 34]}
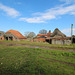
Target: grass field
{"type": "Point", "coordinates": [45, 44]}
{"type": "Point", "coordinates": [16, 60]}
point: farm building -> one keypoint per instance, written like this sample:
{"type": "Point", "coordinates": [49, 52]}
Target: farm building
{"type": "Point", "coordinates": [13, 35]}
{"type": "Point", "coordinates": [73, 39]}
{"type": "Point", "coordinates": [42, 37]}
{"type": "Point", "coordinates": [1, 35]}
{"type": "Point", "coordinates": [57, 37]}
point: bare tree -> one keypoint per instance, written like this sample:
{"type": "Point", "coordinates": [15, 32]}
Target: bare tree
{"type": "Point", "coordinates": [43, 31]}
{"type": "Point", "coordinates": [30, 34]}
{"type": "Point", "coordinates": [26, 34]}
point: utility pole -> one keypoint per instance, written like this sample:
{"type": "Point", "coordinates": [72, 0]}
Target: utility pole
{"type": "Point", "coordinates": [71, 32]}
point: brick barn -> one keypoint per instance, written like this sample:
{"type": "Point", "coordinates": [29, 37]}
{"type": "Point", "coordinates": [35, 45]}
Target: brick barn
{"type": "Point", "coordinates": [42, 37]}
{"type": "Point", "coordinates": [13, 35]}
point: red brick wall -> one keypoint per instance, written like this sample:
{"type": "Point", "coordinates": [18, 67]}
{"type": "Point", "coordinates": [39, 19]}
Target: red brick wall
{"type": "Point", "coordinates": [41, 39]}
{"type": "Point", "coordinates": [38, 39]}
{"type": "Point", "coordinates": [22, 39]}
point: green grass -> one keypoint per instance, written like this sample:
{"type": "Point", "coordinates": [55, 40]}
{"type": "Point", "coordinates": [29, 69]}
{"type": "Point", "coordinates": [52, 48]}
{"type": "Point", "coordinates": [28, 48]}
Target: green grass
{"type": "Point", "coordinates": [35, 61]}
{"type": "Point", "coordinates": [71, 46]}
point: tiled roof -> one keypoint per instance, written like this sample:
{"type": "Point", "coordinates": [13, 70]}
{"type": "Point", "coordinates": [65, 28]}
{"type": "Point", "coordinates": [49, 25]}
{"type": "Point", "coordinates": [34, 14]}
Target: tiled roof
{"type": "Point", "coordinates": [16, 33]}
{"type": "Point", "coordinates": [48, 34]}
{"type": "Point", "coordinates": [42, 35]}
{"type": "Point", "coordinates": [48, 38]}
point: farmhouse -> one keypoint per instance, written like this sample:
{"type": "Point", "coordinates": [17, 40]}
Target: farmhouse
{"type": "Point", "coordinates": [12, 35]}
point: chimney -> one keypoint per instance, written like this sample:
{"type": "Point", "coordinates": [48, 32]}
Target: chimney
{"type": "Point", "coordinates": [71, 30]}
{"type": "Point", "coordinates": [49, 31]}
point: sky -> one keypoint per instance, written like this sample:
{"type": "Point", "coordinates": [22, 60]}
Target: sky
{"type": "Point", "coordinates": [35, 15]}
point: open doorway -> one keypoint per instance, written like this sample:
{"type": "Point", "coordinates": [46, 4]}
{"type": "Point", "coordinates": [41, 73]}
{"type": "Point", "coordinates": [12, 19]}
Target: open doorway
{"type": "Point", "coordinates": [73, 40]}
{"type": "Point", "coordinates": [10, 38]}
{"type": "Point", "coordinates": [6, 38]}
{"type": "Point", "coordinates": [49, 41]}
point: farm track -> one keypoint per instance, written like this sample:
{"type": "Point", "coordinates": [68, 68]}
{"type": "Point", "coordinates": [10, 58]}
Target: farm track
{"type": "Point", "coordinates": [55, 54]}
{"type": "Point", "coordinates": [43, 47]}
{"type": "Point", "coordinates": [50, 60]}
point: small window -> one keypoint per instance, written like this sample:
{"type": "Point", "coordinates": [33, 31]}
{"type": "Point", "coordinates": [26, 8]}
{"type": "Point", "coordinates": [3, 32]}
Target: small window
{"type": "Point", "coordinates": [1, 38]}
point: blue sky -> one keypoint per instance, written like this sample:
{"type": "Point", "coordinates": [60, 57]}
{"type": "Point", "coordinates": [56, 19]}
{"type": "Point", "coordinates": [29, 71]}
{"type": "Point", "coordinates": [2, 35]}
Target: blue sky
{"type": "Point", "coordinates": [34, 15]}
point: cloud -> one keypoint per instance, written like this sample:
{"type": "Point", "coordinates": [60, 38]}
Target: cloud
{"type": "Point", "coordinates": [67, 1]}
{"type": "Point", "coordinates": [49, 14]}
{"type": "Point", "coordinates": [68, 31]}
{"type": "Point", "coordinates": [32, 20]}
{"type": "Point", "coordinates": [72, 13]}
{"type": "Point", "coordinates": [9, 11]}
